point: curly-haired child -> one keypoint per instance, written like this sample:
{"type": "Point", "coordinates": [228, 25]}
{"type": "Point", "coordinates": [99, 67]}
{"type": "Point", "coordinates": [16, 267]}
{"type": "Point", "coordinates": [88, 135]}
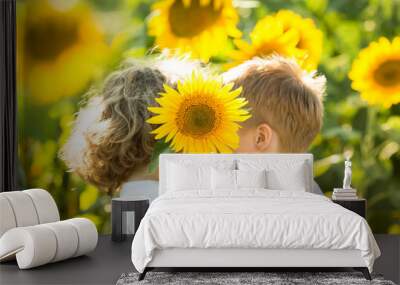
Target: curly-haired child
{"type": "Point", "coordinates": [111, 144]}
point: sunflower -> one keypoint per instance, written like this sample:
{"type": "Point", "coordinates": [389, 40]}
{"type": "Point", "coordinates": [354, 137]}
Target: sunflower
{"type": "Point", "coordinates": [284, 33]}
{"type": "Point", "coordinates": [310, 37]}
{"type": "Point", "coordinates": [200, 116]}
{"type": "Point", "coordinates": [198, 27]}
{"type": "Point", "coordinates": [376, 72]}
{"type": "Point", "coordinates": [62, 49]}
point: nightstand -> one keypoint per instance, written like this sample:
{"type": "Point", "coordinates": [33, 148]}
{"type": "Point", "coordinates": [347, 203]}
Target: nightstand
{"type": "Point", "coordinates": [127, 213]}
{"type": "Point", "coordinates": [358, 206]}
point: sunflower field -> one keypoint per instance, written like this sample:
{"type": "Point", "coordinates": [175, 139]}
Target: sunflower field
{"type": "Point", "coordinates": [65, 47]}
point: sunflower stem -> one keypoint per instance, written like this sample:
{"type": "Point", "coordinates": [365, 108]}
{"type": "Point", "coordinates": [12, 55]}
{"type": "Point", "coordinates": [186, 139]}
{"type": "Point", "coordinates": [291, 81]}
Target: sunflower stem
{"type": "Point", "coordinates": [368, 143]}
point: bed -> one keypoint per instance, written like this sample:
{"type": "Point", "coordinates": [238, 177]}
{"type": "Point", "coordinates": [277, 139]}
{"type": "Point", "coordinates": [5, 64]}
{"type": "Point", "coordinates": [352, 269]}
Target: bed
{"type": "Point", "coordinates": [247, 210]}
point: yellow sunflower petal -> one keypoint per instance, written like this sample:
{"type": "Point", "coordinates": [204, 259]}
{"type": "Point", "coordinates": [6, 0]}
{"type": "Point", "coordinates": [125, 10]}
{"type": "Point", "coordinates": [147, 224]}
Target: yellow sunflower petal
{"type": "Point", "coordinates": [157, 120]}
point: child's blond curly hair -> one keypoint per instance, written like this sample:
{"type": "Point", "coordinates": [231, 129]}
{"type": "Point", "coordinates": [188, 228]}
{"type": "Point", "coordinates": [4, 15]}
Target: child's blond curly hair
{"type": "Point", "coordinates": [111, 137]}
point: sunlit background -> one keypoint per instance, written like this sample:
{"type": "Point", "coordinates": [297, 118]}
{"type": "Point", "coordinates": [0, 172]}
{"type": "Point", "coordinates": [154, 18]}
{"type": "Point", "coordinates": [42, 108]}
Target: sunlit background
{"type": "Point", "coordinates": [64, 47]}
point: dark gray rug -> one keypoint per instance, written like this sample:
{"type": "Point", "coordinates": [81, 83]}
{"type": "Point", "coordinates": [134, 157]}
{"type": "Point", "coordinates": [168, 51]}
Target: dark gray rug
{"type": "Point", "coordinates": [269, 278]}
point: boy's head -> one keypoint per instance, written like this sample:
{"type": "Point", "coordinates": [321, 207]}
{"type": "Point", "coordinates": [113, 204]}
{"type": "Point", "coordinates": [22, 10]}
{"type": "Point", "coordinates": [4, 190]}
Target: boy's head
{"type": "Point", "coordinates": [285, 101]}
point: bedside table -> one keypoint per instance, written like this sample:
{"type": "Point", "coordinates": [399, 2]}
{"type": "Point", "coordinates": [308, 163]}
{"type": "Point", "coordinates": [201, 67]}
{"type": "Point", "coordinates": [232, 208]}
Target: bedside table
{"type": "Point", "coordinates": [125, 213]}
{"type": "Point", "coordinates": [358, 206]}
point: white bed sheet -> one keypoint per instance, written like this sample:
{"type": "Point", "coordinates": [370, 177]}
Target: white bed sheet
{"type": "Point", "coordinates": [252, 218]}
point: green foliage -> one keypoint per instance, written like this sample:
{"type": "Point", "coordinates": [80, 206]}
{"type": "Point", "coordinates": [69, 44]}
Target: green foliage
{"type": "Point", "coordinates": [159, 148]}
{"type": "Point", "coordinates": [369, 134]}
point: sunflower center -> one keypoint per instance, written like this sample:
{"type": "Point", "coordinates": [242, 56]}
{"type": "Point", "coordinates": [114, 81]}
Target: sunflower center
{"type": "Point", "coordinates": [186, 22]}
{"type": "Point", "coordinates": [388, 73]}
{"type": "Point", "coordinates": [48, 37]}
{"type": "Point", "coordinates": [196, 120]}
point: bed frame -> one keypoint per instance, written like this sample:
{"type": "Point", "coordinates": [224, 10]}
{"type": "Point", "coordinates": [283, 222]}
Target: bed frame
{"type": "Point", "coordinates": [261, 259]}
{"type": "Point", "coordinates": [248, 259]}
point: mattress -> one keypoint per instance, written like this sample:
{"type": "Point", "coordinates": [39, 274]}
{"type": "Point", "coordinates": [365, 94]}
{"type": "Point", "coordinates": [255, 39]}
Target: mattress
{"type": "Point", "coordinates": [250, 219]}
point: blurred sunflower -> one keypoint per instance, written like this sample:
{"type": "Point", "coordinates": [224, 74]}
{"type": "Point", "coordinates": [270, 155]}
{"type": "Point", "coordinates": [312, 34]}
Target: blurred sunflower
{"type": "Point", "coordinates": [284, 33]}
{"type": "Point", "coordinates": [376, 72]}
{"type": "Point", "coordinates": [198, 27]}
{"type": "Point", "coordinates": [62, 50]}
{"type": "Point", "coordinates": [310, 37]}
{"type": "Point", "coordinates": [200, 116]}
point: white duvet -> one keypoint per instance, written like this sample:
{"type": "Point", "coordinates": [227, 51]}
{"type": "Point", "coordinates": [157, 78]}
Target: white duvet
{"type": "Point", "coordinates": [254, 218]}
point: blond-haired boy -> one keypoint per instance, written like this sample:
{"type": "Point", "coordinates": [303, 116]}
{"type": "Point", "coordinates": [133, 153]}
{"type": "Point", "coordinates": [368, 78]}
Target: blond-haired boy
{"type": "Point", "coordinates": [285, 102]}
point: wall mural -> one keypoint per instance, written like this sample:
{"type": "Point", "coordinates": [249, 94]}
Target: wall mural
{"type": "Point", "coordinates": [66, 50]}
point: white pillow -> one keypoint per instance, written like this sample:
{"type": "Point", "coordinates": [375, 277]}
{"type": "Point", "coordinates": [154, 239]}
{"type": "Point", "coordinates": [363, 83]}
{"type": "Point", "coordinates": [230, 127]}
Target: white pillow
{"type": "Point", "coordinates": [282, 174]}
{"type": "Point", "coordinates": [182, 177]}
{"type": "Point", "coordinates": [251, 179]}
{"type": "Point", "coordinates": [223, 179]}
{"type": "Point", "coordinates": [228, 179]}
{"type": "Point", "coordinates": [293, 180]}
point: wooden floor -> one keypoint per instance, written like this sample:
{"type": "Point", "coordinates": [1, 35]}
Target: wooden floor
{"type": "Point", "coordinates": [110, 260]}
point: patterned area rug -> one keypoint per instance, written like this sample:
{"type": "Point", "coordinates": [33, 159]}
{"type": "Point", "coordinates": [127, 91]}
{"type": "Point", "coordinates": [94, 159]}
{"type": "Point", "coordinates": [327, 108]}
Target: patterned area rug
{"type": "Point", "coordinates": [233, 278]}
